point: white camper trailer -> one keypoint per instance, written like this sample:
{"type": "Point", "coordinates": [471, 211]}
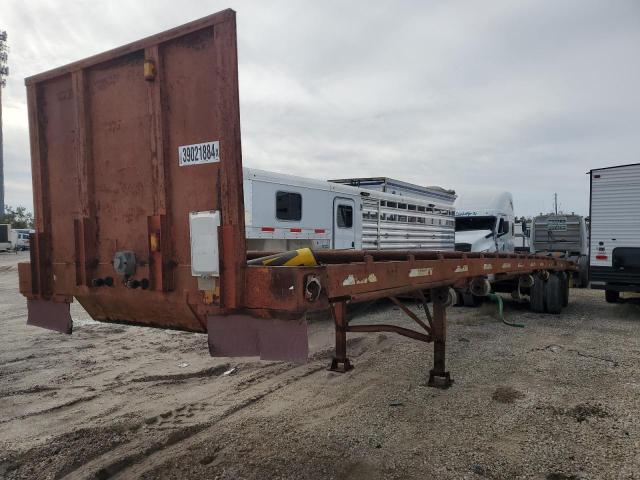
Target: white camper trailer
{"type": "Point", "coordinates": [285, 212]}
{"type": "Point", "coordinates": [614, 241]}
{"type": "Point", "coordinates": [485, 222]}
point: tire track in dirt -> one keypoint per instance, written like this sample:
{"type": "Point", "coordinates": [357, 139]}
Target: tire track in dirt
{"type": "Point", "coordinates": [55, 408]}
{"type": "Point", "coordinates": [28, 391]}
{"type": "Point", "coordinates": [178, 377]}
{"type": "Point", "coordinates": [140, 455]}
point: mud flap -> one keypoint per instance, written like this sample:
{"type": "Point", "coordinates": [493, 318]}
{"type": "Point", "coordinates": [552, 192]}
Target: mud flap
{"type": "Point", "coordinates": [49, 315]}
{"type": "Point", "coordinates": [246, 336]}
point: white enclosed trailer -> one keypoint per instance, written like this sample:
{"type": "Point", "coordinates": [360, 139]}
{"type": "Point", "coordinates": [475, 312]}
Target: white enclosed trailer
{"type": "Point", "coordinates": [285, 212]}
{"type": "Point", "coordinates": [614, 243]}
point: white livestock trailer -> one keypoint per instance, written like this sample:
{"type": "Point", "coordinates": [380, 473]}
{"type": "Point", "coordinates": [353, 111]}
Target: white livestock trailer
{"type": "Point", "coordinates": [285, 212]}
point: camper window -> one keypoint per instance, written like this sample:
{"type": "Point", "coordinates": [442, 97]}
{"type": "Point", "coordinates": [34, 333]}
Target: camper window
{"type": "Point", "coordinates": [288, 206]}
{"type": "Point", "coordinates": [345, 216]}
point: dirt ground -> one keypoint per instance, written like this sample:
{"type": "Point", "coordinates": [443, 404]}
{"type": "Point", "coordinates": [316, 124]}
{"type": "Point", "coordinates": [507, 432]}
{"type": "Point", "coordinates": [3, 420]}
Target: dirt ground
{"type": "Point", "coordinates": [558, 399]}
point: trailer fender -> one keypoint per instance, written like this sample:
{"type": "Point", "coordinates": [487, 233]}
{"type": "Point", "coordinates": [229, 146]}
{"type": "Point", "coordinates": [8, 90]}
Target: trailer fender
{"type": "Point", "coordinates": [50, 315]}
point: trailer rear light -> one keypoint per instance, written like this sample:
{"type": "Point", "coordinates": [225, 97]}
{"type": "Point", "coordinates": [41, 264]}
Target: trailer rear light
{"type": "Point", "coordinates": [295, 230]}
{"type": "Point", "coordinates": [268, 229]}
{"type": "Point", "coordinates": [601, 257]}
{"type": "Point", "coordinates": [319, 230]}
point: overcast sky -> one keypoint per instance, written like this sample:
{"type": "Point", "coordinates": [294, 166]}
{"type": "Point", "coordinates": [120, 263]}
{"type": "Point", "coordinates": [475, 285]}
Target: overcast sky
{"type": "Point", "coordinates": [519, 95]}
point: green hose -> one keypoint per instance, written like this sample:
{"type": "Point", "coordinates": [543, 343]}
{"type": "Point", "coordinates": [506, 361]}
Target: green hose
{"type": "Point", "coordinates": [498, 300]}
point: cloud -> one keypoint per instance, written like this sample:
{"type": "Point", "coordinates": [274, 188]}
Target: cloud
{"type": "Point", "coordinates": [523, 96]}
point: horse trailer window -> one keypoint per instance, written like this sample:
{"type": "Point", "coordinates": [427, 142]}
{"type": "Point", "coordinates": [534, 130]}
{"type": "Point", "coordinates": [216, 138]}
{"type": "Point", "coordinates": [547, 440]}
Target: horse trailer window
{"type": "Point", "coordinates": [288, 206]}
{"type": "Point", "coordinates": [345, 216]}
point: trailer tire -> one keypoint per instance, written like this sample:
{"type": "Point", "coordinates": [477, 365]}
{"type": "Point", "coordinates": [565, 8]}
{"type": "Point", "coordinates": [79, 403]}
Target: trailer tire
{"type": "Point", "coordinates": [536, 295]}
{"type": "Point", "coordinates": [611, 296]}
{"type": "Point", "coordinates": [471, 300]}
{"type": "Point", "coordinates": [554, 295]}
{"type": "Point", "coordinates": [583, 272]}
{"type": "Point", "coordinates": [564, 282]}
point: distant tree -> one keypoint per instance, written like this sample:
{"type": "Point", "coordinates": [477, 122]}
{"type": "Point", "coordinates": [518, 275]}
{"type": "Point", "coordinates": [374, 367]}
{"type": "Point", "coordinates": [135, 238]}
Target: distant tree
{"type": "Point", "coordinates": [17, 217]}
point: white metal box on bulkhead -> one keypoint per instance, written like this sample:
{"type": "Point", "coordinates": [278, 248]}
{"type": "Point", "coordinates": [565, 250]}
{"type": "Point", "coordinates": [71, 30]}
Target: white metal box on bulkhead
{"type": "Point", "coordinates": [205, 252]}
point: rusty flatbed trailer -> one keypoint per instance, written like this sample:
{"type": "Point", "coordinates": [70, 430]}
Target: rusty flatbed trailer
{"type": "Point", "coordinates": [137, 179]}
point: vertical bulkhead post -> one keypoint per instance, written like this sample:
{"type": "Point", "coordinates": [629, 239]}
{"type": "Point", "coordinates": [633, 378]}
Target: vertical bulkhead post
{"type": "Point", "coordinates": [84, 230]}
{"type": "Point", "coordinates": [233, 253]}
{"type": "Point", "coordinates": [159, 233]}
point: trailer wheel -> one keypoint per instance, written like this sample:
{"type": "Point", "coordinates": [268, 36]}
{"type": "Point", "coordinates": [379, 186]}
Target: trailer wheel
{"type": "Point", "coordinates": [583, 272]}
{"type": "Point", "coordinates": [536, 295]}
{"type": "Point", "coordinates": [553, 292]}
{"type": "Point", "coordinates": [611, 296]}
{"type": "Point", "coordinates": [564, 283]}
{"type": "Point", "coordinates": [471, 300]}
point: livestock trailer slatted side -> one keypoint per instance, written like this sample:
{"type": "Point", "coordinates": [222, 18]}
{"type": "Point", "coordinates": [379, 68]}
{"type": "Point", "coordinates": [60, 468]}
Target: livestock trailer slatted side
{"type": "Point", "coordinates": [406, 224]}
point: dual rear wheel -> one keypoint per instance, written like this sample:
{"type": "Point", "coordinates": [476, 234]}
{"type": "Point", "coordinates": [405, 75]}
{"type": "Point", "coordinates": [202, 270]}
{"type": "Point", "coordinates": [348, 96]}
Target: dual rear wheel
{"type": "Point", "coordinates": [551, 295]}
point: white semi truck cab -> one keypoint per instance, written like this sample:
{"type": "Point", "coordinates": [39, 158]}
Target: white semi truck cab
{"type": "Point", "coordinates": [485, 222]}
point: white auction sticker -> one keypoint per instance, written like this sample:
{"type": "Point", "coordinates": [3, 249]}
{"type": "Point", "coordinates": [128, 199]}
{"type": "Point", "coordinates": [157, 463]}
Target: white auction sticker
{"type": "Point", "coordinates": [208, 152]}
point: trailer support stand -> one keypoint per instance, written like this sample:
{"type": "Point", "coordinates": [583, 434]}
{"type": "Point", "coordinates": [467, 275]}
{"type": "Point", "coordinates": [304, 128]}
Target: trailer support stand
{"type": "Point", "coordinates": [438, 376]}
{"type": "Point", "coordinates": [340, 362]}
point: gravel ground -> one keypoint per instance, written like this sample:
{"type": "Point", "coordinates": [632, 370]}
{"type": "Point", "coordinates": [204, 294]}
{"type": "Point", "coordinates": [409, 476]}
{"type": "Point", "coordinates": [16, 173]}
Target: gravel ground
{"type": "Point", "coordinates": [558, 399]}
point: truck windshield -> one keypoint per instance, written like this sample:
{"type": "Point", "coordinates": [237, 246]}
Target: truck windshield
{"type": "Point", "coordinates": [464, 224]}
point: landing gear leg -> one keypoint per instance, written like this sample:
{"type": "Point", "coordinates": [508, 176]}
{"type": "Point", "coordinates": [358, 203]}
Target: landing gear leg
{"type": "Point", "coordinates": [438, 376]}
{"type": "Point", "coordinates": [340, 362]}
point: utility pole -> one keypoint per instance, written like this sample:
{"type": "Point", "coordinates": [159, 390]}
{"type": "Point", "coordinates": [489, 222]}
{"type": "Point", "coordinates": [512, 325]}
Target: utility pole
{"type": "Point", "coordinates": [4, 71]}
{"type": "Point", "coordinates": [555, 202]}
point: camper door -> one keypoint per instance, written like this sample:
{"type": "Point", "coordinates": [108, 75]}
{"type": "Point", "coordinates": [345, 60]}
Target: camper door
{"type": "Point", "coordinates": [344, 232]}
